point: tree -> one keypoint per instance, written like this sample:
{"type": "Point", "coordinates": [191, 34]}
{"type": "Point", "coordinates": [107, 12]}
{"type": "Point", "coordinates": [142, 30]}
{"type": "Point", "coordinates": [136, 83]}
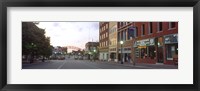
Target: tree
{"type": "Point", "coordinates": [34, 41]}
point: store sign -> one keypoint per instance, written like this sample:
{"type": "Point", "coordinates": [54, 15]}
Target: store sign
{"type": "Point", "coordinates": [135, 44]}
{"type": "Point", "coordinates": [145, 42]}
{"type": "Point", "coordinates": [152, 42]}
{"type": "Point", "coordinates": [132, 32]}
{"type": "Point", "coordinates": [171, 39]}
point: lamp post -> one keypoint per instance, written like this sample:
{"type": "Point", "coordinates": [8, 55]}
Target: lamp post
{"type": "Point", "coordinates": [121, 42]}
{"type": "Point", "coordinates": [32, 52]}
{"type": "Point", "coordinates": [94, 54]}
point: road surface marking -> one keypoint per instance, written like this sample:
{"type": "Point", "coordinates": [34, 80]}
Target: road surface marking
{"type": "Point", "coordinates": [61, 65]}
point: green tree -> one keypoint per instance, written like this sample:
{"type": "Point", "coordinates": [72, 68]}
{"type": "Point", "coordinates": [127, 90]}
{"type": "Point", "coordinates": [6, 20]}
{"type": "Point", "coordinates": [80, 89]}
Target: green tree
{"type": "Point", "coordinates": [34, 41]}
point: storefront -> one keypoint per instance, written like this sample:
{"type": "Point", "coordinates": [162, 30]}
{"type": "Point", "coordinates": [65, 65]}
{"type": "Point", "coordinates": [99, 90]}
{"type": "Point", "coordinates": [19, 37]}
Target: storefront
{"type": "Point", "coordinates": [145, 51]}
{"type": "Point", "coordinates": [113, 54]}
{"type": "Point", "coordinates": [126, 54]}
{"type": "Point", "coordinates": [171, 47]}
{"type": "Point", "coordinates": [103, 56]}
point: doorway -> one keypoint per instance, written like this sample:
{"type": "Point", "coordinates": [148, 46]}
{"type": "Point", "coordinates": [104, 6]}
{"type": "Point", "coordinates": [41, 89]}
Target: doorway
{"type": "Point", "coordinates": [160, 55]}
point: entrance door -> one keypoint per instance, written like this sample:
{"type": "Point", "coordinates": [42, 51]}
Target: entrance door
{"type": "Point", "coordinates": [160, 55]}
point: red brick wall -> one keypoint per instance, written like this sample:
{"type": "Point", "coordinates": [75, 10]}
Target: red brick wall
{"type": "Point", "coordinates": [155, 33]}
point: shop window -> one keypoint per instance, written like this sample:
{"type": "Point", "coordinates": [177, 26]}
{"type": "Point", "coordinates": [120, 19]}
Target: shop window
{"type": "Point", "coordinates": [151, 53]}
{"type": "Point", "coordinates": [172, 50]}
{"type": "Point", "coordinates": [137, 52]}
{"type": "Point", "coordinates": [143, 52]}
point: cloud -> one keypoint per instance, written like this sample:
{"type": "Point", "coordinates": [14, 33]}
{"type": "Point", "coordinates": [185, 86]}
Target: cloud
{"type": "Point", "coordinates": [71, 33]}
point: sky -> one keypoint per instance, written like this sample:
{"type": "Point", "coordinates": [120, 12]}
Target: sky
{"type": "Point", "coordinates": [71, 33]}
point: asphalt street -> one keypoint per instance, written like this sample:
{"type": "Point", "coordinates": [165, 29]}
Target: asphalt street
{"type": "Point", "coordinates": [87, 64]}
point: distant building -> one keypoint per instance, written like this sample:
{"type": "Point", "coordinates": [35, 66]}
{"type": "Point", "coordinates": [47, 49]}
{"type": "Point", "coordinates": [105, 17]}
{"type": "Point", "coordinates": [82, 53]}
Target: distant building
{"type": "Point", "coordinates": [91, 49]}
{"type": "Point", "coordinates": [59, 52]}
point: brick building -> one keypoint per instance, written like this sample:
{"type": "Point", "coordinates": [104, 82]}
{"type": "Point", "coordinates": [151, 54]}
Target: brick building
{"type": "Point", "coordinates": [155, 42]}
{"type": "Point", "coordinates": [143, 42]}
{"type": "Point", "coordinates": [123, 34]}
{"type": "Point", "coordinates": [103, 41]}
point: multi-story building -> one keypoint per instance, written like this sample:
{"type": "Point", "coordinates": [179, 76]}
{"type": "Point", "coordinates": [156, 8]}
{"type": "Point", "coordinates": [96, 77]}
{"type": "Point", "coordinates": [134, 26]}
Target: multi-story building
{"type": "Point", "coordinates": [91, 49]}
{"type": "Point", "coordinates": [143, 42]}
{"type": "Point", "coordinates": [104, 41]}
{"type": "Point", "coordinates": [113, 41]}
{"type": "Point", "coordinates": [124, 50]}
{"type": "Point", "coordinates": [155, 42]}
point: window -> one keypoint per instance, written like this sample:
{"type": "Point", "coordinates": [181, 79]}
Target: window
{"type": "Point", "coordinates": [118, 24]}
{"type": "Point", "coordinates": [107, 34]}
{"type": "Point", "coordinates": [171, 25]}
{"type": "Point", "coordinates": [172, 50]}
{"type": "Point", "coordinates": [122, 36]}
{"type": "Point", "coordinates": [118, 37]}
{"type": "Point", "coordinates": [143, 52]}
{"type": "Point", "coordinates": [160, 27]}
{"type": "Point", "coordinates": [150, 27]}
{"type": "Point", "coordinates": [136, 32]}
{"type": "Point", "coordinates": [124, 23]}
{"type": "Point", "coordinates": [143, 29]}
{"type": "Point", "coordinates": [106, 26]}
{"type": "Point", "coordinates": [121, 24]}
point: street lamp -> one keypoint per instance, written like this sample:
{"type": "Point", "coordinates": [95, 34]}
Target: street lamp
{"type": "Point", "coordinates": [94, 54]}
{"type": "Point", "coordinates": [32, 52]}
{"type": "Point", "coordinates": [121, 42]}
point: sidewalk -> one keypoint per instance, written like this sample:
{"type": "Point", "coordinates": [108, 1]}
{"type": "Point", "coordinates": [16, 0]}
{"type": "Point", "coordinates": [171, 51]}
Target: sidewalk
{"type": "Point", "coordinates": [35, 62]}
{"type": "Point", "coordinates": [142, 65]}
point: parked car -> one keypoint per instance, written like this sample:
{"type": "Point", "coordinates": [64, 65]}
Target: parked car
{"type": "Point", "coordinates": [75, 57]}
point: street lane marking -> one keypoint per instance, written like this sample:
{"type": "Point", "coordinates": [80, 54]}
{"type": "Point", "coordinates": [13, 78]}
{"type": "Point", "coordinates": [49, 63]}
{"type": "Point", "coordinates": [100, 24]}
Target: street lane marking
{"type": "Point", "coordinates": [61, 65]}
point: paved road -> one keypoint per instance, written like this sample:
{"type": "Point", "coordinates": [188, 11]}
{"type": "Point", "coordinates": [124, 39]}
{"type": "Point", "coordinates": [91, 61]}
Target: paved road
{"type": "Point", "coordinates": [86, 64]}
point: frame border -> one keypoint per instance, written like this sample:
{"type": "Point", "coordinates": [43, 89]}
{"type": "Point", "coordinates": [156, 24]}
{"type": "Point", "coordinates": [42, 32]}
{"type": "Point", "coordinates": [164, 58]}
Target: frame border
{"type": "Point", "coordinates": [101, 3]}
